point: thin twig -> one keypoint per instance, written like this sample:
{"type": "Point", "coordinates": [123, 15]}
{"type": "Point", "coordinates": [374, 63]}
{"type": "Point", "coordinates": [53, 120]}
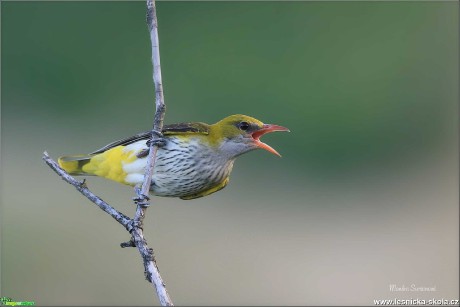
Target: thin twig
{"type": "Point", "coordinates": [134, 226]}
{"type": "Point", "coordinates": [151, 270]}
{"type": "Point", "coordinates": [160, 107]}
{"type": "Point", "coordinates": [83, 189]}
{"type": "Point", "coordinates": [152, 274]}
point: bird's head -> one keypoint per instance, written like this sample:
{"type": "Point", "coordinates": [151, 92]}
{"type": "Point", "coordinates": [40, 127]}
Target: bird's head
{"type": "Point", "coordinates": [238, 134]}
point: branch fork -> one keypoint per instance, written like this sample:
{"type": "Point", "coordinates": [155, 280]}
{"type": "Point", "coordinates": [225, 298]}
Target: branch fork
{"type": "Point", "coordinates": [134, 225]}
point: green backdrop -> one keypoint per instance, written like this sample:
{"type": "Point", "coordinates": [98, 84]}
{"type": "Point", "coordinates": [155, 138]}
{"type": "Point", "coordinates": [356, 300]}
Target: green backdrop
{"type": "Point", "coordinates": [365, 196]}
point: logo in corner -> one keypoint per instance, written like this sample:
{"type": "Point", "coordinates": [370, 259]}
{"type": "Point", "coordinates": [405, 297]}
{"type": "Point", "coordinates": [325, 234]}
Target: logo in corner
{"type": "Point", "coordinates": [4, 300]}
{"type": "Point", "coordinates": [8, 301]}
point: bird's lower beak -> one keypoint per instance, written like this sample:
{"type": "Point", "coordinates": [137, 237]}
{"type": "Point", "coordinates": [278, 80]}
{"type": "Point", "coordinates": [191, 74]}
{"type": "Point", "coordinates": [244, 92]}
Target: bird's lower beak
{"type": "Point", "coordinates": [267, 128]}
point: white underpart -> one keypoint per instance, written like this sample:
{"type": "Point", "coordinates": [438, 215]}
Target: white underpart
{"type": "Point", "coordinates": [199, 167]}
{"type": "Point", "coordinates": [134, 179]}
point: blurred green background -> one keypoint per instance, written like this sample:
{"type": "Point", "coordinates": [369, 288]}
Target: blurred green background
{"type": "Point", "coordinates": [365, 196]}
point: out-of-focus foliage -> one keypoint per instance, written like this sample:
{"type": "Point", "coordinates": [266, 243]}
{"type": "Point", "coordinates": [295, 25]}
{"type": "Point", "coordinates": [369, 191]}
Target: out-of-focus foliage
{"type": "Point", "coordinates": [368, 176]}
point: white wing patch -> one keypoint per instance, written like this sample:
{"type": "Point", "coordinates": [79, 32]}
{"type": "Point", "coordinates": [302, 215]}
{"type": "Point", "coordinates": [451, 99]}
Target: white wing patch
{"type": "Point", "coordinates": [134, 179]}
{"type": "Point", "coordinates": [137, 166]}
{"type": "Point", "coordinates": [135, 170]}
{"type": "Point", "coordinates": [135, 147]}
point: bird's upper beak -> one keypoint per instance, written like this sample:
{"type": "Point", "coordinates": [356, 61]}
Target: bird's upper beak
{"type": "Point", "coordinates": [267, 128]}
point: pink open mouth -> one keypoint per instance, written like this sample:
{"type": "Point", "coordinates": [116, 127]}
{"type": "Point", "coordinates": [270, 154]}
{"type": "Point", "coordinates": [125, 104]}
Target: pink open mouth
{"type": "Point", "coordinates": [267, 128]}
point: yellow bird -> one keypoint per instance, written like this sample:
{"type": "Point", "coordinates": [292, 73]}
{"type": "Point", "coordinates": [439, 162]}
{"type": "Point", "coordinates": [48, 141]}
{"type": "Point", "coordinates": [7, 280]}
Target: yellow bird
{"type": "Point", "coordinates": [196, 159]}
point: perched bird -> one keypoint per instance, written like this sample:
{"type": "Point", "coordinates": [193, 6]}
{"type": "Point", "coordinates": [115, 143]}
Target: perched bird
{"type": "Point", "coordinates": [196, 159]}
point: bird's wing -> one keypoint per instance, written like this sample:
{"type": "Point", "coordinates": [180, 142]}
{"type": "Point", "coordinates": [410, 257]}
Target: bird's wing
{"type": "Point", "coordinates": [174, 129]}
{"type": "Point", "coordinates": [123, 142]}
{"type": "Point", "coordinates": [186, 128]}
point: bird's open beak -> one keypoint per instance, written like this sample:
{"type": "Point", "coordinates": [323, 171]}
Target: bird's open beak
{"type": "Point", "coordinates": [267, 128]}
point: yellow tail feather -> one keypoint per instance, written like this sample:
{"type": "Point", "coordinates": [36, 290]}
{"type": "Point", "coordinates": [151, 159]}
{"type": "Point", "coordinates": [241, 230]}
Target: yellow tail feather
{"type": "Point", "coordinates": [108, 164]}
{"type": "Point", "coordinates": [74, 164]}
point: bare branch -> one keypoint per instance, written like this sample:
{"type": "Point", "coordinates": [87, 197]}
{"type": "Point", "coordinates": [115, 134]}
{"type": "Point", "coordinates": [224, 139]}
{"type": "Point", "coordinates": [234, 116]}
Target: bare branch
{"type": "Point", "coordinates": [152, 274]}
{"type": "Point", "coordinates": [151, 270]}
{"type": "Point", "coordinates": [134, 226]}
{"type": "Point", "coordinates": [152, 24]}
{"type": "Point", "coordinates": [83, 189]}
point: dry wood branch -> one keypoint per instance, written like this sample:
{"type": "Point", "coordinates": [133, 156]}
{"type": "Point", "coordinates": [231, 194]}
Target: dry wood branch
{"type": "Point", "coordinates": [83, 189]}
{"type": "Point", "coordinates": [151, 271]}
{"type": "Point", "coordinates": [160, 107]}
{"type": "Point", "coordinates": [134, 226]}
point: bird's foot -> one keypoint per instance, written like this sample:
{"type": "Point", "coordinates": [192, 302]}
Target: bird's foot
{"type": "Point", "coordinates": [158, 140]}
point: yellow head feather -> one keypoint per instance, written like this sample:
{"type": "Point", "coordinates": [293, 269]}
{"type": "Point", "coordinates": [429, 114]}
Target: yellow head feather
{"type": "Point", "coordinates": [228, 127]}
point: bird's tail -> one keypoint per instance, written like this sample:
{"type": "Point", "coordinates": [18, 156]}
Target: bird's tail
{"type": "Point", "coordinates": [74, 164]}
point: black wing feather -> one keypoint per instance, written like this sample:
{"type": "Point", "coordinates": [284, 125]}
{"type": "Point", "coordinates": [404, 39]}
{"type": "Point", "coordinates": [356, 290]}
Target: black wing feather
{"type": "Point", "coordinates": [181, 128]}
{"type": "Point", "coordinates": [201, 128]}
{"type": "Point", "coordinates": [123, 142]}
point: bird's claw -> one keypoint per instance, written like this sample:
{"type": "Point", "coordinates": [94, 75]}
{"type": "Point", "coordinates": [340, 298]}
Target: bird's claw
{"type": "Point", "coordinates": [158, 140]}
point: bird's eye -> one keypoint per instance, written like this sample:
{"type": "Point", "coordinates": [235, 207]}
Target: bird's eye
{"type": "Point", "coordinates": [244, 126]}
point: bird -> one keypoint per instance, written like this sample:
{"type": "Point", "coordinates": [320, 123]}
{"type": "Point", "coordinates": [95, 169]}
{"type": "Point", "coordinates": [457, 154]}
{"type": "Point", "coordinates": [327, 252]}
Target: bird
{"type": "Point", "coordinates": [194, 160]}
